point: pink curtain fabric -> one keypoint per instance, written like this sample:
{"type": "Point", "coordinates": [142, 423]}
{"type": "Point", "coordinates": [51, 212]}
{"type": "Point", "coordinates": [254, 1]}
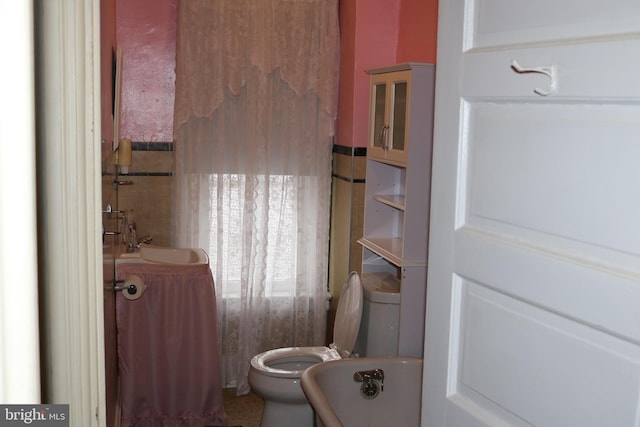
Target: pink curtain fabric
{"type": "Point", "coordinates": [255, 107]}
{"type": "Point", "coordinates": [219, 42]}
{"type": "Point", "coordinates": [167, 348]}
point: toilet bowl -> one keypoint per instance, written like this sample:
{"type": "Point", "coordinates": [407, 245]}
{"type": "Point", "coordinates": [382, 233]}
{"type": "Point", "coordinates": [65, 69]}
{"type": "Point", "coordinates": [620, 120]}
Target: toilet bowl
{"type": "Point", "coordinates": [275, 374]}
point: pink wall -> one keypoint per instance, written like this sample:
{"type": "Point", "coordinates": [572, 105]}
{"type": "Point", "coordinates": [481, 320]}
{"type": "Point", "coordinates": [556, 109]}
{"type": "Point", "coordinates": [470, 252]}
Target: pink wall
{"type": "Point", "coordinates": [419, 31]}
{"type": "Point", "coordinates": [366, 41]}
{"type": "Point", "coordinates": [377, 33]}
{"type": "Point", "coordinates": [373, 33]}
{"type": "Point", "coordinates": [146, 32]}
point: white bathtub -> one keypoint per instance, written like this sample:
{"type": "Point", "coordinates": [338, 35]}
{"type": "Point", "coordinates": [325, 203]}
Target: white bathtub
{"type": "Point", "coordinates": [336, 398]}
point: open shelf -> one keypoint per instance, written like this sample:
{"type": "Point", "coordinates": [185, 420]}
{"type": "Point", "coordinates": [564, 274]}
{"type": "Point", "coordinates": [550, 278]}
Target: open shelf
{"type": "Point", "coordinates": [391, 250]}
{"type": "Point", "coordinates": [396, 202]}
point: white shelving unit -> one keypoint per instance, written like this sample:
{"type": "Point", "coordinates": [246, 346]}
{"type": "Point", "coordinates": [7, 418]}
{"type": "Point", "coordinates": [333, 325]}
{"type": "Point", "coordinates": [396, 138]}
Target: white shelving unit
{"type": "Point", "coordinates": [398, 182]}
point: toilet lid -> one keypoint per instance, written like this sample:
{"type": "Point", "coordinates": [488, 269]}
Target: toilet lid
{"type": "Point", "coordinates": [348, 315]}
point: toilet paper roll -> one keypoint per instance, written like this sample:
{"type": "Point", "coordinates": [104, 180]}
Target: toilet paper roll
{"type": "Point", "coordinates": [138, 283]}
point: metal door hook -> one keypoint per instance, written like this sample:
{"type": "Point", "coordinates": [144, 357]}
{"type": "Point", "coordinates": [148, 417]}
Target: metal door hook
{"type": "Point", "coordinates": [549, 71]}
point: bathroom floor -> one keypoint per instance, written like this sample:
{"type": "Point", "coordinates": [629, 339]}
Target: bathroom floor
{"type": "Point", "coordinates": [245, 411]}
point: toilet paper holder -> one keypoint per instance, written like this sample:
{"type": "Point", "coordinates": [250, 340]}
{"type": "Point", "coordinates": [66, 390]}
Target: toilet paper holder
{"type": "Point", "coordinates": [130, 288]}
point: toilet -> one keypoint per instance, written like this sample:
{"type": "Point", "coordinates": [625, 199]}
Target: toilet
{"type": "Point", "coordinates": [275, 374]}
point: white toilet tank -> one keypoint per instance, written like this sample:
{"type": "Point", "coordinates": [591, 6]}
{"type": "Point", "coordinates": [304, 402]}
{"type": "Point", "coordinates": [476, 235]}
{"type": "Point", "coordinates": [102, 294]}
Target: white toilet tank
{"type": "Point", "coordinates": [378, 334]}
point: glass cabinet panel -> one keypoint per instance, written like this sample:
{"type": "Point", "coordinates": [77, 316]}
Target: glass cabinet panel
{"type": "Point", "coordinates": [388, 115]}
{"type": "Point", "coordinates": [379, 115]}
{"type": "Point", "coordinates": [399, 115]}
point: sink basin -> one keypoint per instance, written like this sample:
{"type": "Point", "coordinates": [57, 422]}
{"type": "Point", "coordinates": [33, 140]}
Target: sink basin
{"type": "Point", "coordinates": [167, 255]}
{"type": "Point", "coordinates": [173, 255]}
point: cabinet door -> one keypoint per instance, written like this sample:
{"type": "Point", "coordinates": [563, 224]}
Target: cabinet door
{"type": "Point", "coordinates": [378, 121]}
{"type": "Point", "coordinates": [399, 88]}
{"type": "Point", "coordinates": [388, 135]}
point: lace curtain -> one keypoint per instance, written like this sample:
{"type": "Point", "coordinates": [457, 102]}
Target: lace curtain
{"type": "Point", "coordinates": [256, 99]}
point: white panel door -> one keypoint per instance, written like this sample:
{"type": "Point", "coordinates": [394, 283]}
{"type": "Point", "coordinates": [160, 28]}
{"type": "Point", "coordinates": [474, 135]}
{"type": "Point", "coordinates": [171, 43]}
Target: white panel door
{"type": "Point", "coordinates": [533, 298]}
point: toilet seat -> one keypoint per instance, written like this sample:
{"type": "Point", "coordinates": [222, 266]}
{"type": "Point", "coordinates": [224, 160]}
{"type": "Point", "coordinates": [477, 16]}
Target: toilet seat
{"type": "Point", "coordinates": [347, 325]}
{"type": "Point", "coordinates": [262, 361]}
{"type": "Point", "coordinates": [348, 315]}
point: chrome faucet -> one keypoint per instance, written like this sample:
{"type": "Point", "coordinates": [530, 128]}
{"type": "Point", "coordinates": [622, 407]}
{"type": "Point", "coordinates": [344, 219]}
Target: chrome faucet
{"type": "Point", "coordinates": [369, 376]}
{"type": "Point", "coordinates": [134, 245]}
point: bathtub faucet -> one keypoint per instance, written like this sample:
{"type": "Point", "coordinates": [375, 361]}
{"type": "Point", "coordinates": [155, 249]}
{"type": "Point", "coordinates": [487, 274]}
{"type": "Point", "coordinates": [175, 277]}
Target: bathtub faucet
{"type": "Point", "coordinates": [369, 376]}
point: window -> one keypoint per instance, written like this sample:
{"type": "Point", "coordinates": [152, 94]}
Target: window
{"type": "Point", "coordinates": [275, 202]}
